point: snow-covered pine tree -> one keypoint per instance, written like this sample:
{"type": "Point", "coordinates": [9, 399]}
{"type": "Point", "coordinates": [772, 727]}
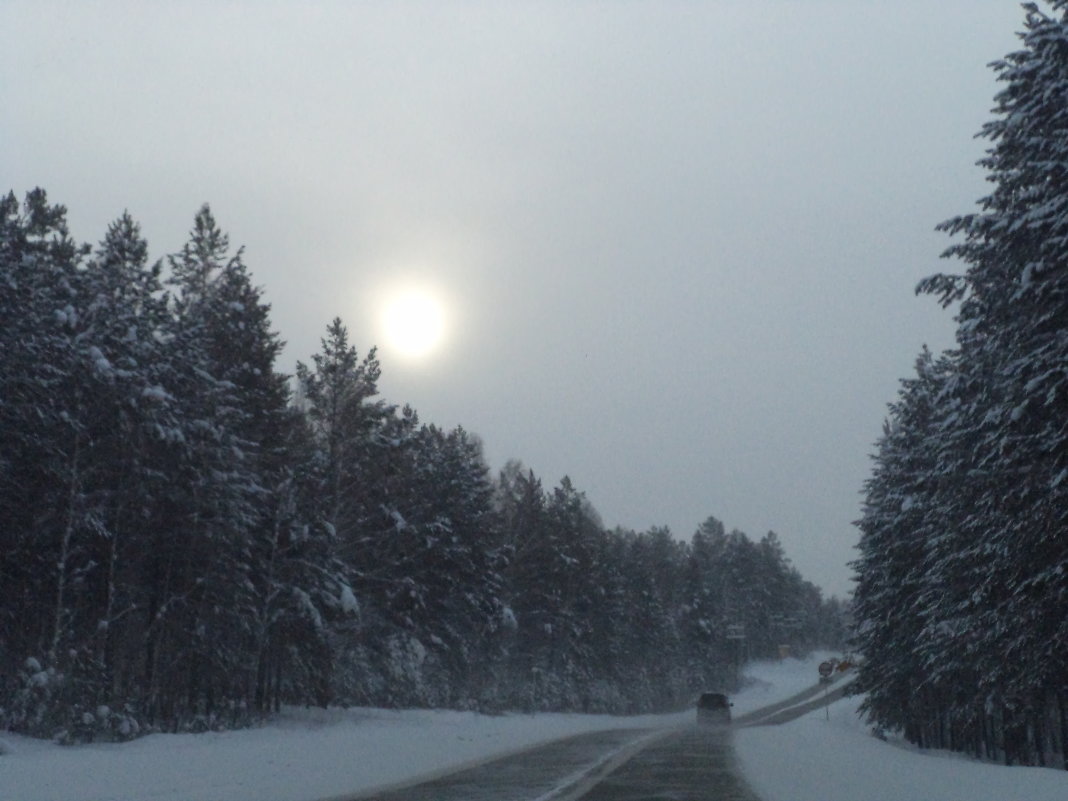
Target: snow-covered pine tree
{"type": "Point", "coordinates": [900, 505]}
{"type": "Point", "coordinates": [574, 533]}
{"type": "Point", "coordinates": [456, 563]}
{"type": "Point", "coordinates": [610, 610]}
{"type": "Point", "coordinates": [83, 368]}
{"type": "Point", "coordinates": [201, 641]}
{"type": "Point", "coordinates": [337, 395]}
{"type": "Point", "coordinates": [529, 594]}
{"type": "Point", "coordinates": [989, 519]}
{"type": "Point", "coordinates": [359, 444]}
{"type": "Point", "coordinates": [704, 616]}
{"type": "Point", "coordinates": [656, 655]}
{"type": "Point", "coordinates": [1013, 335]}
{"type": "Point", "coordinates": [42, 441]}
{"type": "Point", "coordinates": [123, 313]}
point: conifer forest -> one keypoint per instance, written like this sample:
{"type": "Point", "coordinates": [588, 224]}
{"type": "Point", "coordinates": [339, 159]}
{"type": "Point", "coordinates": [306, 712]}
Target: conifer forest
{"type": "Point", "coordinates": [961, 602]}
{"type": "Point", "coordinates": [190, 538]}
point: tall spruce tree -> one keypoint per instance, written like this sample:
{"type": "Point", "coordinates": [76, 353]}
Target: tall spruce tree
{"type": "Point", "coordinates": [200, 641]}
{"type": "Point", "coordinates": [982, 562]}
{"type": "Point", "coordinates": [893, 568]}
{"type": "Point", "coordinates": [43, 439]}
{"type": "Point", "coordinates": [124, 313]}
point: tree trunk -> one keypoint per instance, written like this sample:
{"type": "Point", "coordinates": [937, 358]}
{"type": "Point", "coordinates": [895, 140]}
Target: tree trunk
{"type": "Point", "coordinates": [64, 554]}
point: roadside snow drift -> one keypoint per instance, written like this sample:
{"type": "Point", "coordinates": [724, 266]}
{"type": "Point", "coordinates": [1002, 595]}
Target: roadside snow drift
{"type": "Point", "coordinates": [818, 759]}
{"type": "Point", "coordinates": [304, 755]}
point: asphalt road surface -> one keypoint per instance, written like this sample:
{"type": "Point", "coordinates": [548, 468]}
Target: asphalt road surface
{"type": "Point", "coordinates": [536, 773]}
{"type": "Point", "coordinates": [694, 764]}
{"type": "Point", "coordinates": [687, 764]}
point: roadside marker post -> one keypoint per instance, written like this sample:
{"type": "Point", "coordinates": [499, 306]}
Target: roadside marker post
{"type": "Point", "coordinates": [826, 669]}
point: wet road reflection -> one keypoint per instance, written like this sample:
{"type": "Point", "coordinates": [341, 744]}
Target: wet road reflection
{"type": "Point", "coordinates": [532, 774]}
{"type": "Point", "coordinates": [695, 764]}
{"type": "Point", "coordinates": [692, 764]}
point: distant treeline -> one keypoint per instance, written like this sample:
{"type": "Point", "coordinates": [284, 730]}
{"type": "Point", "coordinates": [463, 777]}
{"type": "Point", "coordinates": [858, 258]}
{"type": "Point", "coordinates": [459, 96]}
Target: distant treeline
{"type": "Point", "coordinates": [187, 543]}
{"type": "Point", "coordinates": [962, 600]}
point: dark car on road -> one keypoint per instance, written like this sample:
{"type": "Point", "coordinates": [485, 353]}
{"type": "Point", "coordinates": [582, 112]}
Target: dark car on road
{"type": "Point", "coordinates": [713, 708]}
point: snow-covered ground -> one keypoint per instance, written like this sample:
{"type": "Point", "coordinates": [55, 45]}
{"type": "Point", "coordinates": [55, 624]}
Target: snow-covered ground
{"type": "Point", "coordinates": [769, 682]}
{"type": "Point", "coordinates": [305, 755]}
{"type": "Point", "coordinates": [816, 759]}
{"type": "Point", "coordinates": [308, 755]}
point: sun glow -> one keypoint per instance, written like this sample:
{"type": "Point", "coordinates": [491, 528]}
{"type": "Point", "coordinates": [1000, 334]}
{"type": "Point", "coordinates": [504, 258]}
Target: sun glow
{"type": "Point", "coordinates": [413, 323]}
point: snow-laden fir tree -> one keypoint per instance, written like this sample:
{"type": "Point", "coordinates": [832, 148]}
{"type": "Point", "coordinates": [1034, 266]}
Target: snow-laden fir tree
{"type": "Point", "coordinates": [989, 518]}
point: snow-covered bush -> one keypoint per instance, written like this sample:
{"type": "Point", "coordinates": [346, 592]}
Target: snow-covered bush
{"type": "Point", "coordinates": [34, 702]}
{"type": "Point", "coordinates": [99, 724]}
{"type": "Point", "coordinates": [53, 704]}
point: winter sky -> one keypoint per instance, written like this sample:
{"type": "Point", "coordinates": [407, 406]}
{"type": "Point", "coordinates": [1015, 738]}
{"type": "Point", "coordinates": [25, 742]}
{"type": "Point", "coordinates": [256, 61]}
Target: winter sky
{"type": "Point", "coordinates": [673, 245]}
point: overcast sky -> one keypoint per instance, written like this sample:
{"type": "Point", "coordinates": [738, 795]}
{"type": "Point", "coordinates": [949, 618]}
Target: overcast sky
{"type": "Point", "coordinates": [675, 243]}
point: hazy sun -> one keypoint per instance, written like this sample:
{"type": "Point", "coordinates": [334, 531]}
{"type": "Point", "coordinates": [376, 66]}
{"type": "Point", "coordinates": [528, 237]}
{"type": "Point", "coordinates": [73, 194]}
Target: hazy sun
{"type": "Point", "coordinates": [413, 323]}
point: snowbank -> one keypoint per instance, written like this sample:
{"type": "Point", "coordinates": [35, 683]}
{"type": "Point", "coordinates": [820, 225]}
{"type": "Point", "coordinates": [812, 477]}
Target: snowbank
{"type": "Point", "coordinates": [816, 759]}
{"type": "Point", "coordinates": [768, 682]}
{"type": "Point", "coordinates": [302, 756]}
